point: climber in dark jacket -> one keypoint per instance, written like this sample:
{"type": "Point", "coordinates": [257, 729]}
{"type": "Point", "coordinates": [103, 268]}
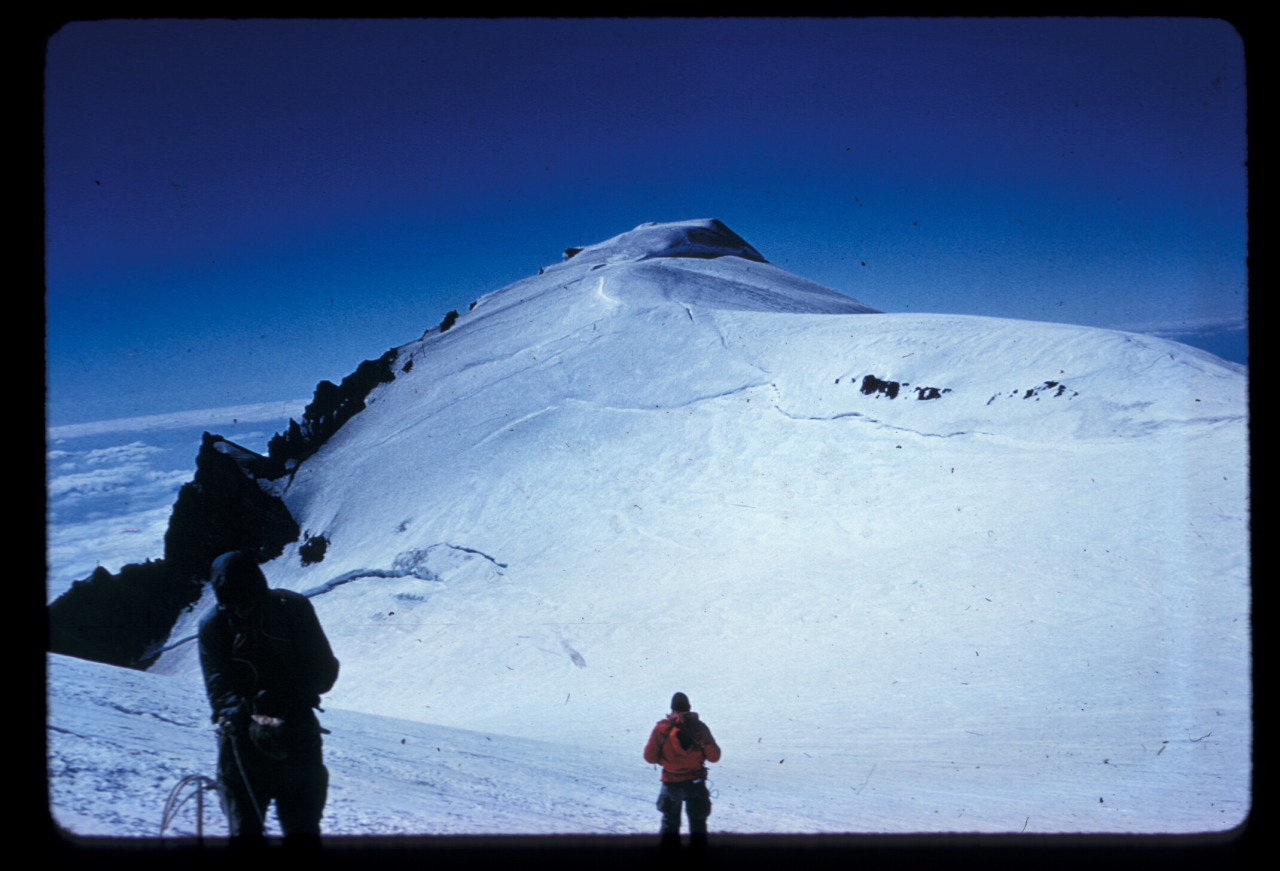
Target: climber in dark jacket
{"type": "Point", "coordinates": [682, 744]}
{"type": "Point", "coordinates": [266, 662]}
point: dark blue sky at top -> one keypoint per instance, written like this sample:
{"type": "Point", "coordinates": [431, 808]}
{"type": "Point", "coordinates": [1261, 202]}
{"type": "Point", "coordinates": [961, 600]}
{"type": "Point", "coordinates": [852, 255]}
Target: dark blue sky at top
{"type": "Point", "coordinates": [239, 209]}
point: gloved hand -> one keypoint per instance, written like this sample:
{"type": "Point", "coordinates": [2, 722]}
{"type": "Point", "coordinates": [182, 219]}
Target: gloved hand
{"type": "Point", "coordinates": [233, 718]}
{"type": "Point", "coordinates": [266, 734]}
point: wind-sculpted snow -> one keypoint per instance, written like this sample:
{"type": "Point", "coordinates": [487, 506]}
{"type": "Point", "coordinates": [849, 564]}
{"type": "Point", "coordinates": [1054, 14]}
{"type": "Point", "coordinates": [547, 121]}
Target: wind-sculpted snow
{"type": "Point", "coordinates": [909, 556]}
{"type": "Point", "coordinates": [703, 239]}
{"type": "Point", "coordinates": [731, 285]}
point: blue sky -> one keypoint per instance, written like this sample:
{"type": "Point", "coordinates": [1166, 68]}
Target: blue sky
{"type": "Point", "coordinates": [239, 209]}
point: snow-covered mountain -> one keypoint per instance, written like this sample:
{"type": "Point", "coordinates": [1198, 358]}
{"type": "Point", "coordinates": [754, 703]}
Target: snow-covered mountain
{"type": "Point", "coordinates": [886, 555]}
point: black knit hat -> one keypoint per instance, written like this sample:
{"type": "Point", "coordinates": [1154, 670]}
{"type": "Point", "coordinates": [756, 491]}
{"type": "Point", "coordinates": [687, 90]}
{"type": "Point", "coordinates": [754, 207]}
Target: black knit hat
{"type": "Point", "coordinates": [679, 702]}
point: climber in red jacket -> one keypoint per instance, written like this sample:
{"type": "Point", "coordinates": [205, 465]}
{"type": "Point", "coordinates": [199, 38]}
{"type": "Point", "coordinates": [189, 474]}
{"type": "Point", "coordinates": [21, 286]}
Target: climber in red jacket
{"type": "Point", "coordinates": [682, 744]}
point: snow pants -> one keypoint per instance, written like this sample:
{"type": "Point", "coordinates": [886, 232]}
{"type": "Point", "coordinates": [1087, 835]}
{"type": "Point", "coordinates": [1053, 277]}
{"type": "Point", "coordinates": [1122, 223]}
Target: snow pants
{"type": "Point", "coordinates": [250, 780]}
{"type": "Point", "coordinates": [693, 796]}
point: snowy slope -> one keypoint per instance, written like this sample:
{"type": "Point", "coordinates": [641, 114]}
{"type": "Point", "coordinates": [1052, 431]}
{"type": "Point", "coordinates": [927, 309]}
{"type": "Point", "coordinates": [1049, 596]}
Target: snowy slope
{"type": "Point", "coordinates": [884, 550]}
{"type": "Point", "coordinates": [123, 741]}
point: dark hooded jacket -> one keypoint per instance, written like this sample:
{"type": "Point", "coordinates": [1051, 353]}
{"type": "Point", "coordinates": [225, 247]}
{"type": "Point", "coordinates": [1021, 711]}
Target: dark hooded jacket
{"type": "Point", "coordinates": [270, 658]}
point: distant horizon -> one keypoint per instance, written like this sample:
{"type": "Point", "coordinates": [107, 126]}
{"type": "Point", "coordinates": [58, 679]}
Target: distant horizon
{"type": "Point", "coordinates": [253, 412]}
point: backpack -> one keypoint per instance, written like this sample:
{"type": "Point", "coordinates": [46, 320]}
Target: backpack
{"type": "Point", "coordinates": [684, 738]}
{"type": "Point", "coordinates": [684, 753]}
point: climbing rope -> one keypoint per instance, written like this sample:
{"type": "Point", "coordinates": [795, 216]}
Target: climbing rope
{"type": "Point", "coordinates": [244, 778]}
{"type": "Point", "coordinates": [176, 800]}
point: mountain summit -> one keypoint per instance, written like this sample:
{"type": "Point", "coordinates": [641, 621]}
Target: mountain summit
{"type": "Point", "coordinates": [704, 239]}
{"type": "Point", "coordinates": [701, 263]}
{"type": "Point", "coordinates": [665, 463]}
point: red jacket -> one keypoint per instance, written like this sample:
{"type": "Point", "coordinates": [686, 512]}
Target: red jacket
{"type": "Point", "coordinates": [680, 764]}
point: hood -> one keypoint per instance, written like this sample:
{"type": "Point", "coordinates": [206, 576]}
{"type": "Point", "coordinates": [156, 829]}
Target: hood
{"type": "Point", "coordinates": [237, 579]}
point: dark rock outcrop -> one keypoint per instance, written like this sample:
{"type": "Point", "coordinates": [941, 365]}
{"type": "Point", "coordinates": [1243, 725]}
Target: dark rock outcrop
{"type": "Point", "coordinates": [331, 407]}
{"type": "Point", "coordinates": [122, 618]}
{"type": "Point", "coordinates": [225, 507]}
{"type": "Point", "coordinates": [119, 619]}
